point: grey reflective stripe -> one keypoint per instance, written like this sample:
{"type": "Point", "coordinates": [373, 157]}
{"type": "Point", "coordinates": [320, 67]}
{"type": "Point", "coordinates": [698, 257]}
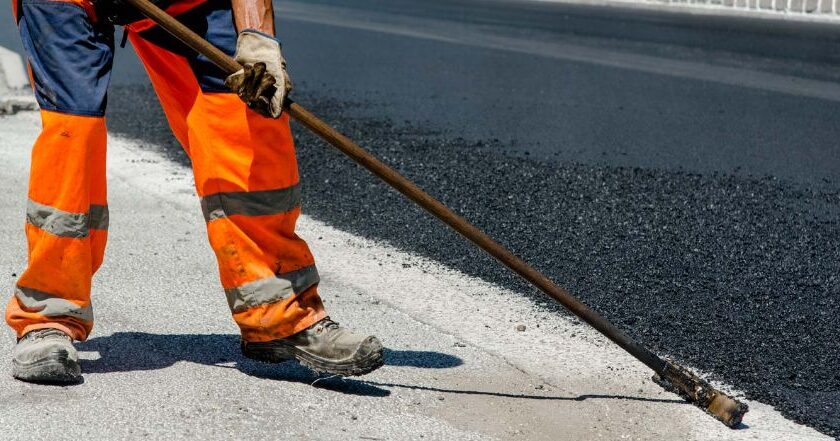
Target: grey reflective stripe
{"type": "Point", "coordinates": [302, 279]}
{"type": "Point", "coordinates": [271, 289]}
{"type": "Point", "coordinates": [98, 217]}
{"type": "Point", "coordinates": [55, 221]}
{"type": "Point", "coordinates": [258, 292]}
{"type": "Point", "coordinates": [50, 305]}
{"type": "Point", "coordinates": [65, 224]}
{"type": "Point", "coordinates": [250, 203]}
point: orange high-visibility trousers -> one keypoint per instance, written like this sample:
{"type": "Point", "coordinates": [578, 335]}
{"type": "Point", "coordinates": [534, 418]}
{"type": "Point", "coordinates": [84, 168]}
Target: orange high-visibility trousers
{"type": "Point", "coordinates": [66, 226]}
{"type": "Point", "coordinates": [245, 174]}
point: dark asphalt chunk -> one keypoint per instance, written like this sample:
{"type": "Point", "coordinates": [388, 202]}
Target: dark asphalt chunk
{"type": "Point", "coordinates": [735, 276]}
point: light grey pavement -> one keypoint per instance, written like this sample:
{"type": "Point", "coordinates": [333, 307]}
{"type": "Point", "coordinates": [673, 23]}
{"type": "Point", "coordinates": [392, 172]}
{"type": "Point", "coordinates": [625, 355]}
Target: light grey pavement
{"type": "Point", "coordinates": [562, 87]}
{"type": "Point", "coordinates": [163, 362]}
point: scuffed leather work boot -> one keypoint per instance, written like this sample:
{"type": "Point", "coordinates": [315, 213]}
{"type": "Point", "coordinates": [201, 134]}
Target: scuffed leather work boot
{"type": "Point", "coordinates": [323, 347]}
{"type": "Point", "coordinates": [46, 356]}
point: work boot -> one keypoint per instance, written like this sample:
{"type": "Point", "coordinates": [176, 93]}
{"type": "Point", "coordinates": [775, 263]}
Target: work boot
{"type": "Point", "coordinates": [46, 356]}
{"type": "Point", "coordinates": [323, 347]}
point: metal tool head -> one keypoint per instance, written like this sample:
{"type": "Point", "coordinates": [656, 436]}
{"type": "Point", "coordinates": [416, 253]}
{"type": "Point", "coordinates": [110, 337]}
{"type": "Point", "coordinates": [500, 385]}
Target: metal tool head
{"type": "Point", "coordinates": [699, 392]}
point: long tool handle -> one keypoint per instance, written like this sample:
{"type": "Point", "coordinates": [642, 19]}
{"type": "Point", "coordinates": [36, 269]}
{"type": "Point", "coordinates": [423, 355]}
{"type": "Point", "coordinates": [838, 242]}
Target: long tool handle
{"type": "Point", "coordinates": [663, 369]}
{"type": "Point", "coordinates": [412, 191]}
{"type": "Point", "coordinates": [478, 237]}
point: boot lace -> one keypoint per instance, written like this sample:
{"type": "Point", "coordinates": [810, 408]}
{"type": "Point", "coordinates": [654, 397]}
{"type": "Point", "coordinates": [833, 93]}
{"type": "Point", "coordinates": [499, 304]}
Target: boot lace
{"type": "Point", "coordinates": [325, 324]}
{"type": "Point", "coordinates": [45, 333]}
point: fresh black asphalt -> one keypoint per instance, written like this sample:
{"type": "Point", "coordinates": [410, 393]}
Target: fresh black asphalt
{"type": "Point", "coordinates": [700, 217]}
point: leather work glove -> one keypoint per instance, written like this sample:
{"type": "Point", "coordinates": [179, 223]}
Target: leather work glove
{"type": "Point", "coordinates": [263, 82]}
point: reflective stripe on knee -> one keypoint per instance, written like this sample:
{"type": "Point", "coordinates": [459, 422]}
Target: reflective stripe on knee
{"type": "Point", "coordinates": [65, 224]}
{"type": "Point", "coordinates": [302, 279]}
{"type": "Point", "coordinates": [50, 305]}
{"type": "Point", "coordinates": [271, 289]}
{"type": "Point", "coordinates": [99, 217]}
{"type": "Point", "coordinates": [250, 203]}
{"type": "Point", "coordinates": [258, 292]}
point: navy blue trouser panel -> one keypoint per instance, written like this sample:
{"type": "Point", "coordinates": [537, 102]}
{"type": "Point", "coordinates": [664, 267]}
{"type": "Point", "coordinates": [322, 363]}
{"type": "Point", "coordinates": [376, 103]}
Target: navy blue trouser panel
{"type": "Point", "coordinates": [214, 22]}
{"type": "Point", "coordinates": [70, 57]}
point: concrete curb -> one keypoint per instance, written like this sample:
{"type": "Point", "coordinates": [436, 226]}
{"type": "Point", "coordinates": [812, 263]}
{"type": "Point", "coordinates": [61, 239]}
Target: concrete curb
{"type": "Point", "coordinates": [12, 70]}
{"type": "Point", "coordinates": [11, 104]}
{"type": "Point", "coordinates": [15, 94]}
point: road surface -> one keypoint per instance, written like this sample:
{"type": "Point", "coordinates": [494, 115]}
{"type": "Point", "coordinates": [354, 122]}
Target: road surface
{"type": "Point", "coordinates": [679, 174]}
{"type": "Point", "coordinates": [164, 360]}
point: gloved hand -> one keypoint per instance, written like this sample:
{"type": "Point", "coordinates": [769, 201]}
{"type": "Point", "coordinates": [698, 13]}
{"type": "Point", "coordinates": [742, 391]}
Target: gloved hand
{"type": "Point", "coordinates": [263, 82]}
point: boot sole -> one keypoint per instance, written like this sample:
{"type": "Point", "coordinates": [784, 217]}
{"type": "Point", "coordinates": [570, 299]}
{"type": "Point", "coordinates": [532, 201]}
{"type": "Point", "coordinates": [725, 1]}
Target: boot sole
{"type": "Point", "coordinates": [352, 367]}
{"type": "Point", "coordinates": [58, 370]}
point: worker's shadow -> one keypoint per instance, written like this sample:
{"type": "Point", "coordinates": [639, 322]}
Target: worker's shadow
{"type": "Point", "coordinates": [139, 351]}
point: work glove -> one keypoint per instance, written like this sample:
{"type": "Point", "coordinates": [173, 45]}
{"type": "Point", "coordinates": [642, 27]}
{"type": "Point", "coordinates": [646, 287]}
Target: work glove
{"type": "Point", "coordinates": [262, 83]}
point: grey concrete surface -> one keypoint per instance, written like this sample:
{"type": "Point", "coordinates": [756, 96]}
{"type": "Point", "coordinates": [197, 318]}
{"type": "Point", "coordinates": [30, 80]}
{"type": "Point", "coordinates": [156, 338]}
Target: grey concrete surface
{"type": "Point", "coordinates": [640, 160]}
{"type": "Point", "coordinates": [163, 361]}
{"type": "Point", "coordinates": [697, 211]}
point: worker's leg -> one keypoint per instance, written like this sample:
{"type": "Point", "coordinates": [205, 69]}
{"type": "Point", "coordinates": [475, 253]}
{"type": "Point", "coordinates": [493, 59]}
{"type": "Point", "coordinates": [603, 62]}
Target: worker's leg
{"type": "Point", "coordinates": [67, 214]}
{"type": "Point", "coordinates": [246, 175]}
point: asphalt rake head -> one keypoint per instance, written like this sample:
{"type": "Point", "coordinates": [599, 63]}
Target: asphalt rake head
{"type": "Point", "coordinates": [699, 392]}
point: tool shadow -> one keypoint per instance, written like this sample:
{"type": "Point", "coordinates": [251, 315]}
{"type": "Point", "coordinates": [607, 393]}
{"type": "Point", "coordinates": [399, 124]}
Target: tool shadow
{"type": "Point", "coordinates": [140, 351]}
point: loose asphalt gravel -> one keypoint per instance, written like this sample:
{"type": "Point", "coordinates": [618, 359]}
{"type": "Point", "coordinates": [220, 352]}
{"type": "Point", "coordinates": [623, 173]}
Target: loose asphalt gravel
{"type": "Point", "coordinates": [465, 359]}
{"type": "Point", "coordinates": [738, 277]}
{"type": "Point", "coordinates": [734, 274]}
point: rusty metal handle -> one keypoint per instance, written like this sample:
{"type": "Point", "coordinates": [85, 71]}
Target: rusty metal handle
{"type": "Point", "coordinates": [411, 190]}
{"type": "Point", "coordinates": [421, 198]}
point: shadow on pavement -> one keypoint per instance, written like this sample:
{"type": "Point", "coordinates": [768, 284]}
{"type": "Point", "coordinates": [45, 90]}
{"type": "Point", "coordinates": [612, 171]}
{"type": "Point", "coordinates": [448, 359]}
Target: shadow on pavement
{"type": "Point", "coordinates": [139, 351]}
{"type": "Point", "coordinates": [530, 397]}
